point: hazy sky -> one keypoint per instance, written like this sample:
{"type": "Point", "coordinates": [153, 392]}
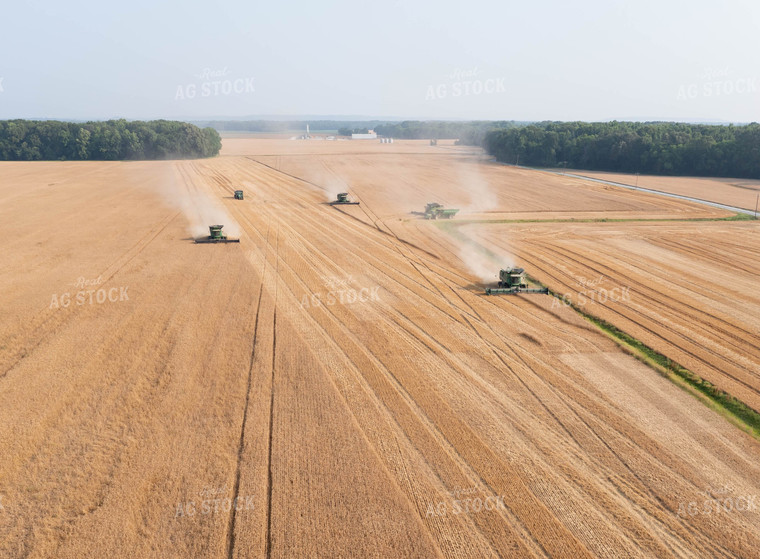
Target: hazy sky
{"type": "Point", "coordinates": [528, 60]}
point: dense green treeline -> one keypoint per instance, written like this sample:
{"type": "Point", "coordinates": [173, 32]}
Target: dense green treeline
{"type": "Point", "coordinates": [32, 140]}
{"type": "Point", "coordinates": [663, 148]}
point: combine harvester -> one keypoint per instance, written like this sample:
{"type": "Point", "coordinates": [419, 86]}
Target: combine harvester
{"type": "Point", "coordinates": [513, 281]}
{"type": "Point", "coordinates": [216, 236]}
{"type": "Point", "coordinates": [238, 195]}
{"type": "Point", "coordinates": [435, 210]}
{"type": "Point", "coordinates": [343, 200]}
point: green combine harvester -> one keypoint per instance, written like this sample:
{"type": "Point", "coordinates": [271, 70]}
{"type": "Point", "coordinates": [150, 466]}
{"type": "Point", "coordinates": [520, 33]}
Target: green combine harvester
{"type": "Point", "coordinates": [511, 282]}
{"type": "Point", "coordinates": [216, 236]}
{"type": "Point", "coordinates": [343, 200]}
{"type": "Point", "coordinates": [436, 211]}
{"type": "Point", "coordinates": [238, 195]}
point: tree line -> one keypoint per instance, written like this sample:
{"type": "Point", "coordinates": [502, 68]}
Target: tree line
{"type": "Point", "coordinates": [32, 140]}
{"type": "Point", "coordinates": [658, 148]}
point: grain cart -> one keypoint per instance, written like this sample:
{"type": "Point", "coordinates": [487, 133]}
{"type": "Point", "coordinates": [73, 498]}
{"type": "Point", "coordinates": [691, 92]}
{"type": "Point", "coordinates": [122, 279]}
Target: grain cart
{"type": "Point", "coordinates": [216, 236]}
{"type": "Point", "coordinates": [512, 281]}
{"type": "Point", "coordinates": [435, 210]}
{"type": "Point", "coordinates": [238, 195]}
{"type": "Point", "coordinates": [343, 200]}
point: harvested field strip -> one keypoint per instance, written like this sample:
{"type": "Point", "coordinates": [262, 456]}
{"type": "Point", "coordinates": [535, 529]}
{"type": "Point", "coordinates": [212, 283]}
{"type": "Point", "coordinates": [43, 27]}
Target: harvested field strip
{"type": "Point", "coordinates": [686, 350]}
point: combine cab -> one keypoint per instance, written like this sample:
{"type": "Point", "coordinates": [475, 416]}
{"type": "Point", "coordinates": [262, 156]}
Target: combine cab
{"type": "Point", "coordinates": [436, 211]}
{"type": "Point", "coordinates": [216, 236]}
{"type": "Point", "coordinates": [238, 195]}
{"type": "Point", "coordinates": [343, 200]}
{"type": "Point", "coordinates": [512, 281]}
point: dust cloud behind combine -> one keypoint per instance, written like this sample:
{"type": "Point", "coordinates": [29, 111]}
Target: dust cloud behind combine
{"type": "Point", "coordinates": [481, 261]}
{"type": "Point", "coordinates": [196, 204]}
{"type": "Point", "coordinates": [483, 196]}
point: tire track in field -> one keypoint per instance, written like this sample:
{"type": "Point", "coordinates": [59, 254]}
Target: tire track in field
{"type": "Point", "coordinates": [271, 400]}
{"type": "Point", "coordinates": [241, 443]}
{"type": "Point", "coordinates": [245, 221]}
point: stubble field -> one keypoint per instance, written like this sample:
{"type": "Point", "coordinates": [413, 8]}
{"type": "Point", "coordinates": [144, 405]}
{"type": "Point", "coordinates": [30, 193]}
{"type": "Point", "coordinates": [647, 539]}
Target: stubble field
{"type": "Point", "coordinates": [337, 384]}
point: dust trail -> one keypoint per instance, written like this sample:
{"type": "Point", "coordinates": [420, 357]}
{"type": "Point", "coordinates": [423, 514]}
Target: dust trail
{"type": "Point", "coordinates": [332, 185]}
{"type": "Point", "coordinates": [482, 194]}
{"type": "Point", "coordinates": [180, 190]}
{"type": "Point", "coordinates": [482, 261]}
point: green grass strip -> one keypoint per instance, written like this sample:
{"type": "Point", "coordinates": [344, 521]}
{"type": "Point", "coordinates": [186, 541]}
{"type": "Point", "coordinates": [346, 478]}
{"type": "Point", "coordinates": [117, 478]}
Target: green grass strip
{"type": "Point", "coordinates": [450, 224]}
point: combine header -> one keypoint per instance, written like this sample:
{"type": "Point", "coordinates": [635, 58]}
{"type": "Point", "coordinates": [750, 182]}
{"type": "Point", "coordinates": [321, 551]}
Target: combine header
{"type": "Point", "coordinates": [511, 282]}
{"type": "Point", "coordinates": [238, 195]}
{"type": "Point", "coordinates": [343, 200]}
{"type": "Point", "coordinates": [436, 211]}
{"type": "Point", "coordinates": [216, 236]}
